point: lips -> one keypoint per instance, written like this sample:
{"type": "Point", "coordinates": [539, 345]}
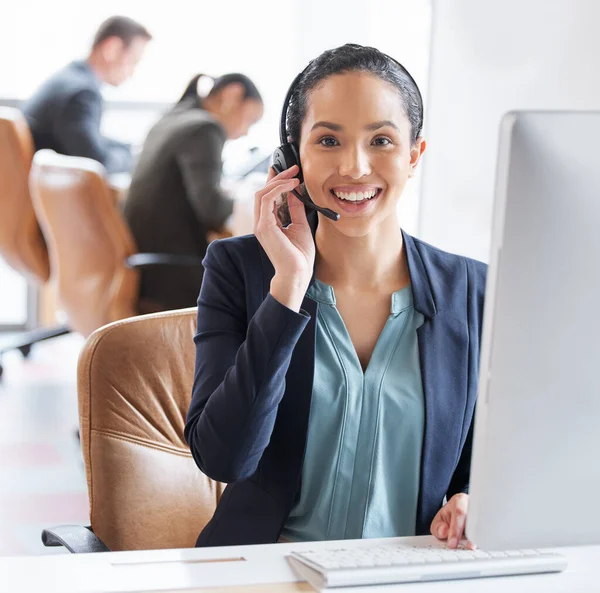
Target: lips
{"type": "Point", "coordinates": [355, 195]}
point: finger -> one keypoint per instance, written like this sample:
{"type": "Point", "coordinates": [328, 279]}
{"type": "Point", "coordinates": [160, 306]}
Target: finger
{"type": "Point", "coordinates": [297, 211]}
{"type": "Point", "coordinates": [267, 216]}
{"type": "Point", "coordinates": [471, 545]}
{"type": "Point", "coordinates": [439, 525]}
{"type": "Point", "coordinates": [283, 184]}
{"type": "Point", "coordinates": [273, 184]}
{"type": "Point", "coordinates": [272, 173]}
{"type": "Point", "coordinates": [458, 518]}
{"type": "Point", "coordinates": [285, 174]}
{"type": "Point", "coordinates": [257, 200]}
{"type": "Point", "coordinates": [442, 532]}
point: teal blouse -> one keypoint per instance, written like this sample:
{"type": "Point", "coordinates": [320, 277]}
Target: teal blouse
{"type": "Point", "coordinates": [361, 471]}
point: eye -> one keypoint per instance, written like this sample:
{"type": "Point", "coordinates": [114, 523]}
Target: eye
{"type": "Point", "coordinates": [328, 141]}
{"type": "Point", "coordinates": [382, 141]}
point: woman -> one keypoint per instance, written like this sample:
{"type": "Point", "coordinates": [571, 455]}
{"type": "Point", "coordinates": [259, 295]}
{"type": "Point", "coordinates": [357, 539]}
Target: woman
{"type": "Point", "coordinates": [336, 367]}
{"type": "Point", "coordinates": [175, 196]}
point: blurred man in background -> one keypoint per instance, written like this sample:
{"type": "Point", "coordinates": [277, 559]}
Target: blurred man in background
{"type": "Point", "coordinates": [65, 112]}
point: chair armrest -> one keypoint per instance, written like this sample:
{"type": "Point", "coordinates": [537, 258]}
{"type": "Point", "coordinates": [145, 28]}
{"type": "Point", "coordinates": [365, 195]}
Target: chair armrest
{"type": "Point", "coordinates": [76, 538]}
{"type": "Point", "coordinates": [140, 260]}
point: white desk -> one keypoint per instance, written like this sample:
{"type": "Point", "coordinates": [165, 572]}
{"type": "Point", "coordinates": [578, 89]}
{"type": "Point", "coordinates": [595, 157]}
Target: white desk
{"type": "Point", "coordinates": [258, 569]}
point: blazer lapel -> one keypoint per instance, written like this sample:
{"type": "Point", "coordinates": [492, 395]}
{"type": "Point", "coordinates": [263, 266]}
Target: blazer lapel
{"type": "Point", "coordinates": [295, 406]}
{"type": "Point", "coordinates": [443, 354]}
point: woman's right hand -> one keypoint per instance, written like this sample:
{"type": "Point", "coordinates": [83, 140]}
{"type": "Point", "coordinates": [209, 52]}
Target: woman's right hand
{"type": "Point", "coordinates": [291, 250]}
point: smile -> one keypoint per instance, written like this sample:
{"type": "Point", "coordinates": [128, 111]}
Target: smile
{"type": "Point", "coordinates": [356, 196]}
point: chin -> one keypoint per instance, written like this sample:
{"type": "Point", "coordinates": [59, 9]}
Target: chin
{"type": "Point", "coordinates": [352, 227]}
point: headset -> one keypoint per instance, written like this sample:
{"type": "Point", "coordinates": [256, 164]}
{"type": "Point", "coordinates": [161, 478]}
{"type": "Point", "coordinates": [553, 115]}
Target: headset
{"type": "Point", "coordinates": [288, 153]}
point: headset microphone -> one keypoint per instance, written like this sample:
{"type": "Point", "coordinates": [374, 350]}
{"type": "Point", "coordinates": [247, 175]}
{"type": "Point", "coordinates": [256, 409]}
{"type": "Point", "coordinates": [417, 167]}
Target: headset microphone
{"type": "Point", "coordinates": [304, 198]}
{"type": "Point", "coordinates": [288, 155]}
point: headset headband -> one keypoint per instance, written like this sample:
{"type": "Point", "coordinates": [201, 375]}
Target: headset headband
{"type": "Point", "coordinates": [286, 103]}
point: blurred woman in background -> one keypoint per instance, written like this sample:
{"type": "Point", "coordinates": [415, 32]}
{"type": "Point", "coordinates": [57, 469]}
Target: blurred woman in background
{"type": "Point", "coordinates": [175, 197]}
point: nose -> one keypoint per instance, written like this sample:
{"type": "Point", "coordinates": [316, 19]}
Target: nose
{"type": "Point", "coordinates": [354, 162]}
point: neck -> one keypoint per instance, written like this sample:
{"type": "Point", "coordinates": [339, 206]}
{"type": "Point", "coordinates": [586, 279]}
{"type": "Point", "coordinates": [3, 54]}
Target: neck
{"type": "Point", "coordinates": [211, 105]}
{"type": "Point", "coordinates": [375, 261]}
{"type": "Point", "coordinates": [96, 63]}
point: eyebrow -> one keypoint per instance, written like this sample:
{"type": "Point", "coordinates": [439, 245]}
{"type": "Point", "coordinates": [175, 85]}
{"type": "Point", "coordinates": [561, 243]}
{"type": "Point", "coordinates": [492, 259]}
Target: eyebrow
{"type": "Point", "coordinates": [371, 127]}
{"type": "Point", "coordinates": [382, 124]}
{"type": "Point", "coordinates": [327, 124]}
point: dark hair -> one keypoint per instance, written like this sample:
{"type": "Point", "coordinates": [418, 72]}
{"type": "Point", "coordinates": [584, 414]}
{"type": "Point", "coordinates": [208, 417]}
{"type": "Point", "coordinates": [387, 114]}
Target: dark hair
{"type": "Point", "coordinates": [250, 90]}
{"type": "Point", "coordinates": [123, 27]}
{"type": "Point", "coordinates": [355, 58]}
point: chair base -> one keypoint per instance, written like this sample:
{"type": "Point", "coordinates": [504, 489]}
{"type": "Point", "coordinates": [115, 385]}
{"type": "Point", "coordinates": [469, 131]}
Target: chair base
{"type": "Point", "coordinates": [25, 340]}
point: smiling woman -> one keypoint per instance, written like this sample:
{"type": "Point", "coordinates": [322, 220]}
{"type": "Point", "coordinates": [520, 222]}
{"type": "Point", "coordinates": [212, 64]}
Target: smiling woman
{"type": "Point", "coordinates": [337, 361]}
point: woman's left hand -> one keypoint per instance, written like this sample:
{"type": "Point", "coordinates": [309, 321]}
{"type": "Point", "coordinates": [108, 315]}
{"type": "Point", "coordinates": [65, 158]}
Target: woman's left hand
{"type": "Point", "coordinates": [449, 523]}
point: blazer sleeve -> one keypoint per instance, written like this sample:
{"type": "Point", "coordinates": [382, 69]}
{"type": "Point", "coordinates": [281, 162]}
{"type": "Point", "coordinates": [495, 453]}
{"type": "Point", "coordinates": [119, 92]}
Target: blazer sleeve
{"type": "Point", "coordinates": [78, 133]}
{"type": "Point", "coordinates": [199, 159]}
{"type": "Point", "coordinates": [240, 371]}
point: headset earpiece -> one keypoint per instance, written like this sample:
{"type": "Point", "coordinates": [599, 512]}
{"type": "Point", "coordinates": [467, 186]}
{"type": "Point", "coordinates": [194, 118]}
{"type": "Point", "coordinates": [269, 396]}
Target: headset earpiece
{"type": "Point", "coordinates": [286, 156]}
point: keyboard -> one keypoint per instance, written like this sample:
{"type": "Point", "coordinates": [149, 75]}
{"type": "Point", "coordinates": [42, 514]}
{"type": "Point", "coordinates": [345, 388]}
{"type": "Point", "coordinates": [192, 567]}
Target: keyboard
{"type": "Point", "coordinates": [395, 563]}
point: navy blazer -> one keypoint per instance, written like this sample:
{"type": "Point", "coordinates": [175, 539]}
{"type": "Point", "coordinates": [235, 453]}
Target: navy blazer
{"type": "Point", "coordinates": [65, 114]}
{"type": "Point", "coordinates": [248, 419]}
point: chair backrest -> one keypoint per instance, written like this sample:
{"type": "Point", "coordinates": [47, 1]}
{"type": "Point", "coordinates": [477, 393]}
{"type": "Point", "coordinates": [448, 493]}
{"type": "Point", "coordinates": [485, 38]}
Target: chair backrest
{"type": "Point", "coordinates": [21, 242]}
{"type": "Point", "coordinates": [88, 240]}
{"type": "Point", "coordinates": [134, 387]}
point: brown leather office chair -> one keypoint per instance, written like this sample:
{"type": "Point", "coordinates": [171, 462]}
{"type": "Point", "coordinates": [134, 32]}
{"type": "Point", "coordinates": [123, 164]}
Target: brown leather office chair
{"type": "Point", "coordinates": [93, 255]}
{"type": "Point", "coordinates": [87, 239]}
{"type": "Point", "coordinates": [21, 242]}
{"type": "Point", "coordinates": [134, 387]}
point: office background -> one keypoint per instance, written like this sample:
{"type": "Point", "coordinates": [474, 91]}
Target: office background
{"type": "Point", "coordinates": [269, 40]}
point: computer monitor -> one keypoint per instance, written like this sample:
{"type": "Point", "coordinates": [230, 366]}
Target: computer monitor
{"type": "Point", "coordinates": [535, 476]}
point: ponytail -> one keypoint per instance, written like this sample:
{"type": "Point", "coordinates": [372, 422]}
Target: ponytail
{"type": "Point", "coordinates": [199, 87]}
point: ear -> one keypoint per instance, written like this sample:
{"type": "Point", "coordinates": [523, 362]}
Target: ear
{"type": "Point", "coordinates": [112, 48]}
{"type": "Point", "coordinates": [416, 151]}
{"type": "Point", "coordinates": [232, 95]}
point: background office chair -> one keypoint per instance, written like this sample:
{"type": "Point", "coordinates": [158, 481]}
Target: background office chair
{"type": "Point", "coordinates": [134, 388]}
{"type": "Point", "coordinates": [92, 251]}
{"type": "Point", "coordinates": [21, 242]}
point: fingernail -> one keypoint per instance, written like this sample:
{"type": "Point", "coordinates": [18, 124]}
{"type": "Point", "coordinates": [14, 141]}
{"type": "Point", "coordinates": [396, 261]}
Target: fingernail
{"type": "Point", "coordinates": [453, 542]}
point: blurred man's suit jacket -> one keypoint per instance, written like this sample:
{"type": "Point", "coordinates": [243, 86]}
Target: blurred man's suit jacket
{"type": "Point", "coordinates": [65, 113]}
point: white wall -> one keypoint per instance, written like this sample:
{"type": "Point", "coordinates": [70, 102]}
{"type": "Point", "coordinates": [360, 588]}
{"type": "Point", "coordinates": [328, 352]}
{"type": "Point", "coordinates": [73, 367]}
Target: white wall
{"type": "Point", "coordinates": [488, 58]}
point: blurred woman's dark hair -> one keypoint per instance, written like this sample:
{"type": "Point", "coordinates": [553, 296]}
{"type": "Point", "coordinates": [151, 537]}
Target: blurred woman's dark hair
{"type": "Point", "coordinates": [214, 85]}
{"type": "Point", "coordinates": [355, 58]}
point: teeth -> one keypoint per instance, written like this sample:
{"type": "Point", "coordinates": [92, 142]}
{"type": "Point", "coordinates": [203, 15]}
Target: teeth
{"type": "Point", "coordinates": [354, 196]}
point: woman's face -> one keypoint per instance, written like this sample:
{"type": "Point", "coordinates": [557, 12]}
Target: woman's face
{"type": "Point", "coordinates": [242, 117]}
{"type": "Point", "coordinates": [356, 151]}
